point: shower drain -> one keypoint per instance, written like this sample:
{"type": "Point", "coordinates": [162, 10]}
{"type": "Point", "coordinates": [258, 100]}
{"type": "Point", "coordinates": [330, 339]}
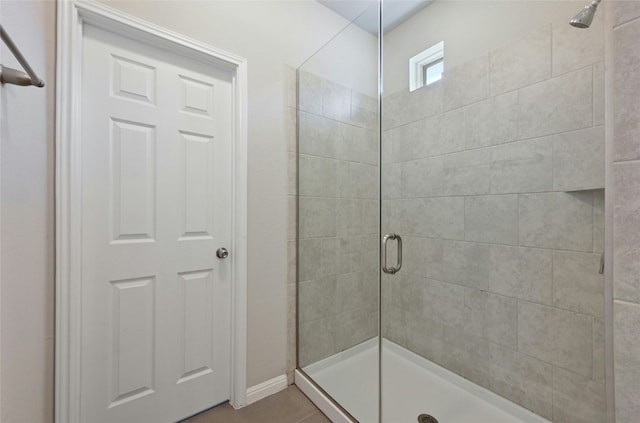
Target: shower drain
{"type": "Point", "coordinates": [426, 418]}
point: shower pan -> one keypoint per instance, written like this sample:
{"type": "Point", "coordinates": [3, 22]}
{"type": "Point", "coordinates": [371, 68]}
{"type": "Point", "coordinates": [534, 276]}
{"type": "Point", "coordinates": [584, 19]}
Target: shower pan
{"type": "Point", "coordinates": [450, 186]}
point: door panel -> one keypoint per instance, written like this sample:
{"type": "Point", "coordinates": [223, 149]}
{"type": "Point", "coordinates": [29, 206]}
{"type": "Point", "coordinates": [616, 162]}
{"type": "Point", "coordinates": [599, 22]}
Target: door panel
{"type": "Point", "coordinates": [156, 185]}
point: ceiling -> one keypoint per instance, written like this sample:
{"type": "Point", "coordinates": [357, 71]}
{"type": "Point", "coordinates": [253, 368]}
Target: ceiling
{"type": "Point", "coordinates": [366, 11]}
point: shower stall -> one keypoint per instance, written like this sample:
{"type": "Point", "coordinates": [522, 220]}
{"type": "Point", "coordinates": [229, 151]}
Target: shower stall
{"type": "Point", "coordinates": [450, 214]}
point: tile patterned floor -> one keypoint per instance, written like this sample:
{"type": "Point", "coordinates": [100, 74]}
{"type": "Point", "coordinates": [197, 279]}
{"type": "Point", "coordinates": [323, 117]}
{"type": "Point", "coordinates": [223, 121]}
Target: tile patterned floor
{"type": "Point", "coordinates": [288, 406]}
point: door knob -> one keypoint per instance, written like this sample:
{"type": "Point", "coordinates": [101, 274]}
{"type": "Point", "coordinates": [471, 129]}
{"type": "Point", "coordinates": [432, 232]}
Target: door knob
{"type": "Point", "coordinates": [222, 253]}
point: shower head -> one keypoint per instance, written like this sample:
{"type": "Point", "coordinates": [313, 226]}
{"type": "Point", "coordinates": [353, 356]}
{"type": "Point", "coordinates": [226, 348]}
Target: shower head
{"type": "Point", "coordinates": [584, 18]}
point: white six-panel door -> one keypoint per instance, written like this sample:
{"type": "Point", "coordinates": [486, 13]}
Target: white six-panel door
{"type": "Point", "coordinates": [156, 201]}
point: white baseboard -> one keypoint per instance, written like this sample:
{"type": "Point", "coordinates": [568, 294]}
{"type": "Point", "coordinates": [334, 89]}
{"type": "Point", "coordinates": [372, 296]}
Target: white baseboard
{"type": "Point", "coordinates": [264, 389]}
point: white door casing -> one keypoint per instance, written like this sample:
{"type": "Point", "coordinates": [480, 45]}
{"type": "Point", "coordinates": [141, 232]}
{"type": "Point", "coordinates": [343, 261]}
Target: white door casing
{"type": "Point", "coordinates": [108, 330]}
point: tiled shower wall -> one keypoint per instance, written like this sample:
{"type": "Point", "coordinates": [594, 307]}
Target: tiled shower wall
{"type": "Point", "coordinates": [338, 218]}
{"type": "Point", "coordinates": [625, 162]}
{"type": "Point", "coordinates": [494, 177]}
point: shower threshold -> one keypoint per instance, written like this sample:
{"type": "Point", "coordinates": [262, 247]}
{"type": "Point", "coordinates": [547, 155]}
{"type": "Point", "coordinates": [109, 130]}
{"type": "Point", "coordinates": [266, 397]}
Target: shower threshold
{"type": "Point", "coordinates": [412, 386]}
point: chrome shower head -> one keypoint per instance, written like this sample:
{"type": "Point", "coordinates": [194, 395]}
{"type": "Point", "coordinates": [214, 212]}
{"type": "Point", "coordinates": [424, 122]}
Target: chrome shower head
{"type": "Point", "coordinates": [584, 18]}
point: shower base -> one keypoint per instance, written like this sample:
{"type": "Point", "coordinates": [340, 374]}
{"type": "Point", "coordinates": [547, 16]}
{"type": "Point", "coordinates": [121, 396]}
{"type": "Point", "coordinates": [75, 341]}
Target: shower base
{"type": "Point", "coordinates": [412, 386]}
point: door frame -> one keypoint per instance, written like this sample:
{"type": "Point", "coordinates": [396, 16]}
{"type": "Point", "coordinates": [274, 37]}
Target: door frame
{"type": "Point", "coordinates": [72, 16]}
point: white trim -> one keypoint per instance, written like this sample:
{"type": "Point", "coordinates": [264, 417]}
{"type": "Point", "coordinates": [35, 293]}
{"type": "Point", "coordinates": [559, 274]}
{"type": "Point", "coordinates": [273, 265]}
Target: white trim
{"type": "Point", "coordinates": [72, 15]}
{"type": "Point", "coordinates": [419, 61]}
{"type": "Point", "coordinates": [334, 413]}
{"type": "Point", "coordinates": [264, 389]}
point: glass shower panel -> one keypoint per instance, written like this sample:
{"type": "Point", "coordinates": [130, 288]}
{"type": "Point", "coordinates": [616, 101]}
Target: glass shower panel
{"type": "Point", "coordinates": [493, 175]}
{"type": "Point", "coordinates": [338, 216]}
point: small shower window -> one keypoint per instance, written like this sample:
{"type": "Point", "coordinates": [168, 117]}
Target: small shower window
{"type": "Point", "coordinates": [426, 67]}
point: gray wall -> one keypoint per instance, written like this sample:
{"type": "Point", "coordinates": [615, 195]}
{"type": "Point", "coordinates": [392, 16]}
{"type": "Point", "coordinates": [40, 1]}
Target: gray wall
{"type": "Point", "coordinates": [495, 177]}
{"type": "Point", "coordinates": [338, 218]}
{"type": "Point", "coordinates": [625, 92]}
{"type": "Point", "coordinates": [27, 219]}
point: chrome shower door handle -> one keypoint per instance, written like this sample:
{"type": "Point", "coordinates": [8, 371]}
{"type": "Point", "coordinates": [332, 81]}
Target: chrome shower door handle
{"type": "Point", "coordinates": [398, 266]}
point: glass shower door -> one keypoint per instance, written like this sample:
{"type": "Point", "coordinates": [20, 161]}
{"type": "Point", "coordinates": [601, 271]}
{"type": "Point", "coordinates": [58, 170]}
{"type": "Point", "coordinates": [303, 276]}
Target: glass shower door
{"type": "Point", "coordinates": [338, 217]}
{"type": "Point", "coordinates": [493, 179]}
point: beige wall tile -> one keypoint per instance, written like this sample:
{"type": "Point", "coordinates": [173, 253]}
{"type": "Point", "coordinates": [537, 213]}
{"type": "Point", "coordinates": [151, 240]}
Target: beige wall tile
{"type": "Point", "coordinates": [598, 220]}
{"type": "Point", "coordinates": [578, 160]}
{"type": "Point", "coordinates": [292, 129]}
{"type": "Point", "coordinates": [524, 273]}
{"type": "Point", "coordinates": [292, 173]}
{"type": "Point", "coordinates": [444, 133]}
{"type": "Point", "coordinates": [316, 258]}
{"type": "Point", "coordinates": [522, 167]}
{"type": "Point", "coordinates": [309, 93]}
{"type": "Point", "coordinates": [466, 263]}
{"type": "Point", "coordinates": [599, 359]}
{"type": "Point", "coordinates": [423, 257]}
{"type": "Point", "coordinates": [521, 63]}
{"type": "Point", "coordinates": [317, 299]}
{"type": "Point", "coordinates": [493, 121]}
{"type": "Point", "coordinates": [625, 11]}
{"type": "Point", "coordinates": [522, 379]}
{"type": "Point", "coordinates": [407, 142]}
{"type": "Point", "coordinates": [466, 83]}
{"type": "Point", "coordinates": [626, 237]}
{"type": "Point", "coordinates": [336, 101]}
{"type": "Point", "coordinates": [425, 336]}
{"type": "Point", "coordinates": [577, 285]}
{"type": "Point", "coordinates": [443, 302]}
{"type": "Point", "coordinates": [317, 217]}
{"type": "Point", "coordinates": [598, 94]}
{"type": "Point", "coordinates": [557, 220]}
{"type": "Point", "coordinates": [577, 399]}
{"type": "Point", "coordinates": [492, 218]}
{"type": "Point", "coordinates": [467, 354]}
{"type": "Point", "coordinates": [317, 341]}
{"type": "Point", "coordinates": [570, 332]}
{"type": "Point", "coordinates": [423, 178]}
{"type": "Point", "coordinates": [317, 135]}
{"type": "Point", "coordinates": [354, 327]}
{"type": "Point", "coordinates": [317, 176]}
{"type": "Point", "coordinates": [465, 173]}
{"type": "Point", "coordinates": [349, 291]}
{"type": "Point", "coordinates": [403, 107]}
{"type": "Point", "coordinates": [556, 105]}
{"type": "Point", "coordinates": [627, 361]}
{"type": "Point", "coordinates": [430, 217]}
{"type": "Point", "coordinates": [491, 316]}
{"type": "Point", "coordinates": [574, 49]}
{"type": "Point", "coordinates": [349, 215]}
{"type": "Point", "coordinates": [626, 86]}
{"type": "Point", "coordinates": [392, 186]}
